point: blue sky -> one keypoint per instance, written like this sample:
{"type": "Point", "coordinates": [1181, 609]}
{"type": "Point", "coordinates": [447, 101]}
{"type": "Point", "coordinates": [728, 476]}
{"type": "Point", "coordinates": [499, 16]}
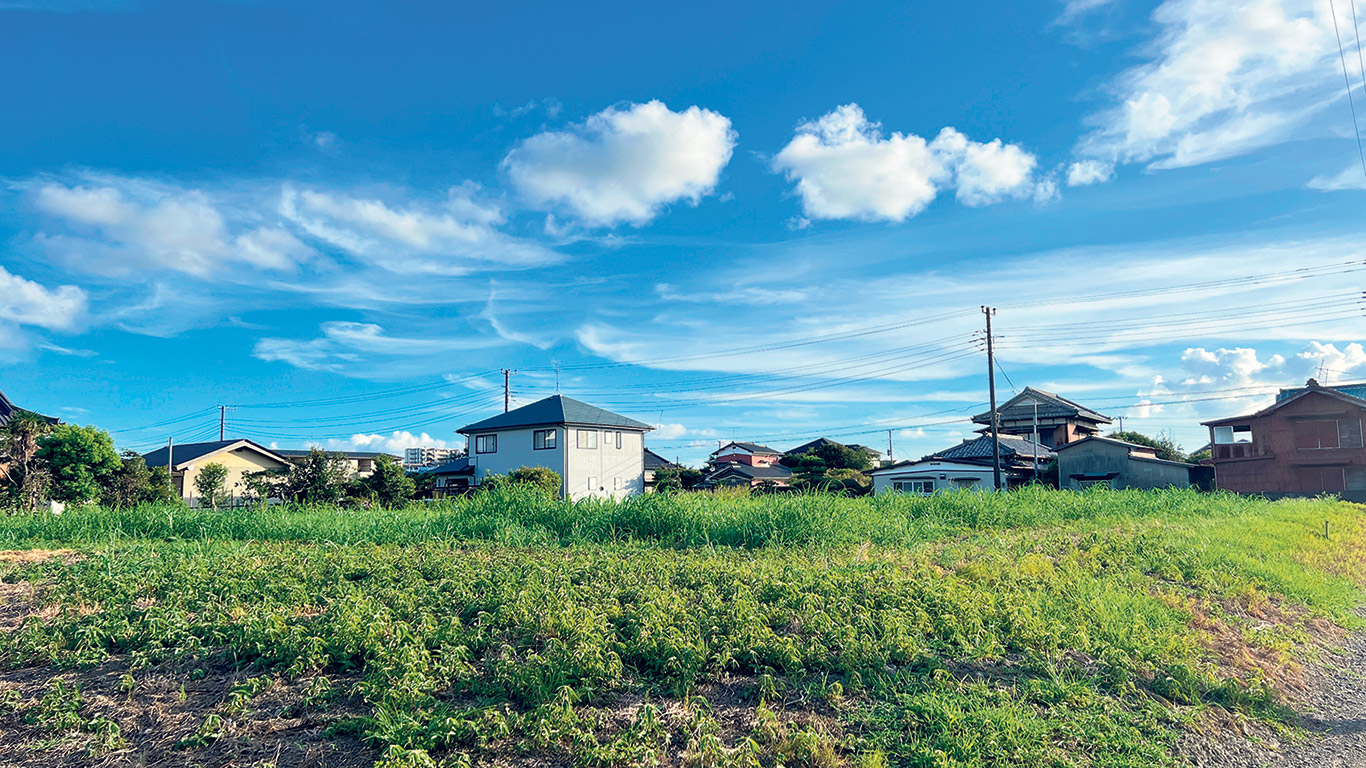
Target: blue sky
{"type": "Point", "coordinates": [730, 221]}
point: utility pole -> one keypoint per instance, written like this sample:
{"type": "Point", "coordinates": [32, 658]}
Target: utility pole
{"type": "Point", "coordinates": [223, 421]}
{"type": "Point", "coordinates": [890, 460]}
{"type": "Point", "coordinates": [995, 417]}
{"type": "Point", "coordinates": [170, 465]}
{"type": "Point", "coordinates": [507, 389]}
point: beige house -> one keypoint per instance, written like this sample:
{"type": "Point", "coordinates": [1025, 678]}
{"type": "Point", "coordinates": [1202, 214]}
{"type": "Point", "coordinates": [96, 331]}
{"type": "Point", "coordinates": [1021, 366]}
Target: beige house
{"type": "Point", "coordinates": [239, 457]}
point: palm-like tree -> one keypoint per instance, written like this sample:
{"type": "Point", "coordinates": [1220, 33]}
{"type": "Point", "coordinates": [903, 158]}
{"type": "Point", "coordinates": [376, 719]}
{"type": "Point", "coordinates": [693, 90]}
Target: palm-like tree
{"type": "Point", "coordinates": [21, 477]}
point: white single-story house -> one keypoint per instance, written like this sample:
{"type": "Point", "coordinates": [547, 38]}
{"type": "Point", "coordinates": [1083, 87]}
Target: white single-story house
{"type": "Point", "coordinates": [239, 457]}
{"type": "Point", "coordinates": [597, 453]}
{"type": "Point", "coordinates": [930, 475]}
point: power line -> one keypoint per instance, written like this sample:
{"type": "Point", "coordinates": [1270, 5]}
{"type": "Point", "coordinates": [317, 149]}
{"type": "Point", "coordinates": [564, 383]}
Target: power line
{"type": "Point", "coordinates": [1342, 57]}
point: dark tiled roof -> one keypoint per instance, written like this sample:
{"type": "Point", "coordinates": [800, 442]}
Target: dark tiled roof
{"type": "Point", "coordinates": [458, 466]}
{"type": "Point", "coordinates": [556, 409]}
{"type": "Point", "coordinates": [9, 410]}
{"type": "Point", "coordinates": [296, 453]}
{"type": "Point", "coordinates": [751, 447]}
{"type": "Point", "coordinates": [1354, 390]}
{"type": "Point", "coordinates": [1051, 406]}
{"type": "Point", "coordinates": [775, 472]}
{"type": "Point", "coordinates": [655, 461]}
{"type": "Point", "coordinates": [188, 452]}
{"type": "Point", "coordinates": [1012, 446]}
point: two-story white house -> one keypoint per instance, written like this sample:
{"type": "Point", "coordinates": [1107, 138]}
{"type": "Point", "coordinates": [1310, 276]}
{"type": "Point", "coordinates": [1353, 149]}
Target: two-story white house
{"type": "Point", "coordinates": [596, 452]}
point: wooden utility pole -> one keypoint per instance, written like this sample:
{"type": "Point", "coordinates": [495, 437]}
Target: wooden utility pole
{"type": "Point", "coordinates": [995, 418]}
{"type": "Point", "coordinates": [890, 460]}
{"type": "Point", "coordinates": [170, 465]}
{"type": "Point", "coordinates": [507, 389]}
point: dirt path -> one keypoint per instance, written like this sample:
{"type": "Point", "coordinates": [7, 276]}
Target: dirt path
{"type": "Point", "coordinates": [1334, 719]}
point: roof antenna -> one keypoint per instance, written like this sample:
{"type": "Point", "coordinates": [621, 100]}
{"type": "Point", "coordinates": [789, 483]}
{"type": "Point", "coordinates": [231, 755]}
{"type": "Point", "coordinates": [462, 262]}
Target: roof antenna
{"type": "Point", "coordinates": [556, 363]}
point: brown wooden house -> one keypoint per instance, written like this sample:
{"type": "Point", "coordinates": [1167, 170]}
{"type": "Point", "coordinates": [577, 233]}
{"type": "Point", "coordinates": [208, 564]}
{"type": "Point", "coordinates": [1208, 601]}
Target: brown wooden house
{"type": "Point", "coordinates": [1306, 443]}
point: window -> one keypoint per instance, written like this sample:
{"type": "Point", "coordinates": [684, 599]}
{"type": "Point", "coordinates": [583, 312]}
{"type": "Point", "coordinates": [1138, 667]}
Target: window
{"type": "Point", "coordinates": [587, 438]}
{"type": "Point", "coordinates": [1316, 434]}
{"type": "Point", "coordinates": [486, 444]}
{"type": "Point", "coordinates": [1349, 433]}
{"type": "Point", "coordinates": [921, 487]}
{"type": "Point", "coordinates": [618, 441]}
{"type": "Point", "coordinates": [365, 465]}
{"type": "Point", "coordinates": [543, 439]}
{"type": "Point", "coordinates": [592, 483]}
{"type": "Point", "coordinates": [1354, 478]}
{"type": "Point", "coordinates": [1229, 435]}
{"type": "Point", "coordinates": [1320, 479]}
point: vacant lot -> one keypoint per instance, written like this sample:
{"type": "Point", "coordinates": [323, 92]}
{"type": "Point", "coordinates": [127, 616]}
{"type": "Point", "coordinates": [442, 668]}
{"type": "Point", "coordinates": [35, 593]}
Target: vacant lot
{"type": "Point", "coordinates": [1035, 628]}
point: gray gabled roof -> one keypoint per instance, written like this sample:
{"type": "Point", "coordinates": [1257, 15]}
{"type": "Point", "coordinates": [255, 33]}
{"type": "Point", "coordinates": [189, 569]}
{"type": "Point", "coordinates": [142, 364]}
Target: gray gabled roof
{"type": "Point", "coordinates": [556, 409]}
{"type": "Point", "coordinates": [187, 453]}
{"type": "Point", "coordinates": [1051, 406]}
{"type": "Point", "coordinates": [460, 466]}
{"type": "Point", "coordinates": [655, 461]}
{"type": "Point", "coordinates": [1012, 446]}
{"type": "Point", "coordinates": [751, 447]}
{"type": "Point", "coordinates": [775, 472]}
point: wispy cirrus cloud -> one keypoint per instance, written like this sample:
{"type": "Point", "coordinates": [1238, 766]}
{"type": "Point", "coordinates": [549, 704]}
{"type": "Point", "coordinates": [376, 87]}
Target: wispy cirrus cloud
{"type": "Point", "coordinates": [1221, 79]}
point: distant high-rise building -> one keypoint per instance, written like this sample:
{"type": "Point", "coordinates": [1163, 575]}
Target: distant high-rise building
{"type": "Point", "coordinates": [429, 457]}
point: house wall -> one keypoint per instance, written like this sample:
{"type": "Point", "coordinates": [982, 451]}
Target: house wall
{"type": "Point", "coordinates": [1276, 461]}
{"type": "Point", "coordinates": [238, 463]}
{"type": "Point", "coordinates": [516, 450]}
{"type": "Point", "coordinates": [1099, 458]}
{"type": "Point", "coordinates": [947, 476]}
{"type": "Point", "coordinates": [618, 472]}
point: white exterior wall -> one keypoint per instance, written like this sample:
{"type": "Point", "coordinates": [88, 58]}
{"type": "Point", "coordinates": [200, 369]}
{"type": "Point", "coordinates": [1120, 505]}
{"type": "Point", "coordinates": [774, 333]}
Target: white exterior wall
{"type": "Point", "coordinates": [619, 472]}
{"type": "Point", "coordinates": [947, 476]}
{"type": "Point", "coordinates": [516, 450]}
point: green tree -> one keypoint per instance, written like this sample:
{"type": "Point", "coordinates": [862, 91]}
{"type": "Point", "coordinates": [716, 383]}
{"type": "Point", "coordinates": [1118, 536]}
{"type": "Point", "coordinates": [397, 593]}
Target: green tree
{"type": "Point", "coordinates": [135, 483]}
{"type": "Point", "coordinates": [832, 455]}
{"type": "Point", "coordinates": [1162, 445]}
{"type": "Point", "coordinates": [1203, 454]}
{"type": "Point", "coordinates": [318, 478]}
{"type": "Point", "coordinates": [209, 485]}
{"type": "Point", "coordinates": [24, 480]}
{"type": "Point", "coordinates": [389, 484]}
{"type": "Point", "coordinates": [676, 478]}
{"type": "Point", "coordinates": [80, 460]}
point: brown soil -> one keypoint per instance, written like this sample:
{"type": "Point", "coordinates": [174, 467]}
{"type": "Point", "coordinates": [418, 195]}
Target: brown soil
{"type": "Point", "coordinates": [168, 704]}
{"type": "Point", "coordinates": [38, 555]}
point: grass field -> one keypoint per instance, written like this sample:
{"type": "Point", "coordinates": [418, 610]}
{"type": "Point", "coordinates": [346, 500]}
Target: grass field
{"type": "Point", "coordinates": [1037, 628]}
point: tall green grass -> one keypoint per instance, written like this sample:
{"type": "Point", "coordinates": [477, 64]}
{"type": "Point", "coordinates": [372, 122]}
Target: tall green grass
{"type": "Point", "coordinates": [524, 517]}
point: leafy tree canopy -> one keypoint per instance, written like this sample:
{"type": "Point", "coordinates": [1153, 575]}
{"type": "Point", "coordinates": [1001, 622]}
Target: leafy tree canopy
{"type": "Point", "coordinates": [135, 483]}
{"type": "Point", "coordinates": [389, 484]}
{"type": "Point", "coordinates": [80, 460]}
{"type": "Point", "coordinates": [1162, 445]}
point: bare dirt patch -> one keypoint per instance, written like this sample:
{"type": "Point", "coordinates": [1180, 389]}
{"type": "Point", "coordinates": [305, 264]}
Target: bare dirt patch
{"type": "Point", "coordinates": [21, 556]}
{"type": "Point", "coordinates": [163, 713]}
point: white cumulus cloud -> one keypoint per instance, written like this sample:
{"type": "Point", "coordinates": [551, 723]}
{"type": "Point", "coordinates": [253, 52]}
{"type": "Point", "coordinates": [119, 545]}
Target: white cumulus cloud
{"type": "Point", "coordinates": [845, 168]}
{"type": "Point", "coordinates": [623, 165]}
{"type": "Point", "coordinates": [24, 302]}
{"type": "Point", "coordinates": [395, 442]}
{"type": "Point", "coordinates": [1086, 172]}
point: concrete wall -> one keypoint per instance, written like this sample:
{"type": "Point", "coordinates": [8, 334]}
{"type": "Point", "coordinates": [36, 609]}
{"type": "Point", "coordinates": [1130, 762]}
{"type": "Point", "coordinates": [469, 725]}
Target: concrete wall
{"type": "Point", "coordinates": [1099, 458]}
{"type": "Point", "coordinates": [238, 463]}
